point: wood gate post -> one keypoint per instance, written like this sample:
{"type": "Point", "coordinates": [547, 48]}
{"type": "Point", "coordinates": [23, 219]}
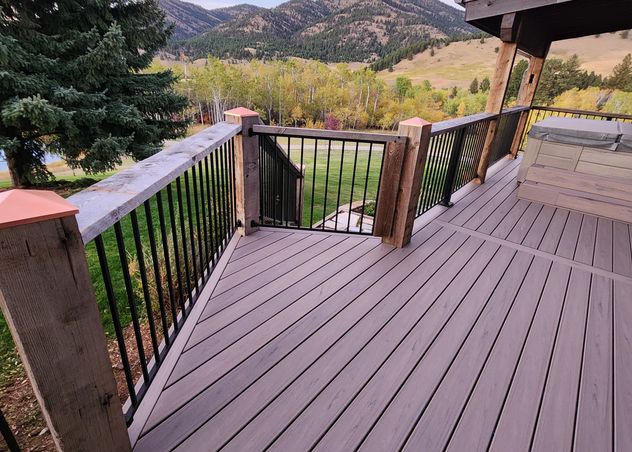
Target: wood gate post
{"type": "Point", "coordinates": [400, 185]}
{"type": "Point", "coordinates": [48, 301]}
{"type": "Point", "coordinates": [246, 169]}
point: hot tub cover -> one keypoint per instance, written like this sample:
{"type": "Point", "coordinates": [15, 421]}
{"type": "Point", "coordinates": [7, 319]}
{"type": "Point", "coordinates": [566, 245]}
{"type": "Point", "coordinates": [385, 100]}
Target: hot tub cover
{"type": "Point", "coordinates": [581, 132]}
{"type": "Point", "coordinates": [625, 145]}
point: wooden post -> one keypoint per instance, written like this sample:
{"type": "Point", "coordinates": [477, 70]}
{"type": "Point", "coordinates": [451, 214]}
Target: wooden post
{"type": "Point", "coordinates": [525, 98]}
{"type": "Point", "coordinates": [246, 169]}
{"type": "Point", "coordinates": [495, 99]}
{"type": "Point", "coordinates": [400, 185]}
{"type": "Point", "coordinates": [47, 299]}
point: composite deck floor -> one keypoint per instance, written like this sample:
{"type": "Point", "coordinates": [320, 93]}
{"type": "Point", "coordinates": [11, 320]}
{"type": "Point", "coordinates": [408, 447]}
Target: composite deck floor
{"type": "Point", "coordinates": [505, 325]}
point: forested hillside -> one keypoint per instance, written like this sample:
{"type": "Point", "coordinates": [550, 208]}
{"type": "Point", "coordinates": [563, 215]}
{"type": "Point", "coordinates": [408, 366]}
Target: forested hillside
{"type": "Point", "coordinates": [191, 20]}
{"type": "Point", "coordinates": [329, 30]}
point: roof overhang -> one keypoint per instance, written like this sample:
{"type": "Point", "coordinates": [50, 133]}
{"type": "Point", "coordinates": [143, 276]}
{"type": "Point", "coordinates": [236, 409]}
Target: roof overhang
{"type": "Point", "coordinates": [534, 24]}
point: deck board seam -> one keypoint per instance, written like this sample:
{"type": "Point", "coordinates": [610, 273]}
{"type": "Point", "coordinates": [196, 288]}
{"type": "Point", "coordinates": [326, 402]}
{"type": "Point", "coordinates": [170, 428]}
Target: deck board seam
{"type": "Point", "coordinates": [535, 252]}
{"type": "Point", "coordinates": [431, 341]}
{"type": "Point", "coordinates": [262, 322]}
{"type": "Point", "coordinates": [204, 318]}
{"type": "Point", "coordinates": [306, 236]}
{"type": "Point", "coordinates": [406, 441]}
{"type": "Point", "coordinates": [201, 320]}
{"type": "Point", "coordinates": [386, 322]}
{"type": "Point", "coordinates": [419, 245]}
{"type": "Point", "coordinates": [307, 338]}
{"type": "Point", "coordinates": [478, 315]}
{"type": "Point", "coordinates": [251, 275]}
{"type": "Point", "coordinates": [517, 360]}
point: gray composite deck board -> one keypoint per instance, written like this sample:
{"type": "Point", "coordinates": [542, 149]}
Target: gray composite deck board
{"type": "Point", "coordinates": [504, 325]}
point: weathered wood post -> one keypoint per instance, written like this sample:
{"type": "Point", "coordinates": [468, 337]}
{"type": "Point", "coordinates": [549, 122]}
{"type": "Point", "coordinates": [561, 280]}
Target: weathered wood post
{"type": "Point", "coordinates": [525, 98]}
{"type": "Point", "coordinates": [498, 86]}
{"type": "Point", "coordinates": [47, 299]}
{"type": "Point", "coordinates": [246, 169]}
{"type": "Point", "coordinates": [400, 185]}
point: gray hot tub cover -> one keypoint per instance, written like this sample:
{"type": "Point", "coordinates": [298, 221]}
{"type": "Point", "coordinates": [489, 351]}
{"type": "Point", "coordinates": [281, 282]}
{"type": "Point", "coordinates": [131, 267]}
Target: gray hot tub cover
{"type": "Point", "coordinates": [610, 135]}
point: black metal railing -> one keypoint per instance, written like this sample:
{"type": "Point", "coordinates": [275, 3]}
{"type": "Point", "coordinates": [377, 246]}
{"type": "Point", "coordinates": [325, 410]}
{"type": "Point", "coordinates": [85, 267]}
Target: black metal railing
{"type": "Point", "coordinates": [505, 133]}
{"type": "Point", "coordinates": [453, 156]}
{"type": "Point", "coordinates": [150, 261]}
{"type": "Point", "coordinates": [538, 113]}
{"type": "Point", "coordinates": [320, 179]}
{"type": "Point", "coordinates": [281, 184]}
{"type": "Point", "coordinates": [10, 442]}
{"type": "Point", "coordinates": [455, 150]}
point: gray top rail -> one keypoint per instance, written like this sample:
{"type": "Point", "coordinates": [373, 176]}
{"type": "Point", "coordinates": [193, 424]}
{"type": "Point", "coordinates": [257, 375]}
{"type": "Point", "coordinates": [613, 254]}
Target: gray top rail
{"type": "Point", "coordinates": [106, 202]}
{"type": "Point", "coordinates": [337, 135]}
{"type": "Point", "coordinates": [457, 123]}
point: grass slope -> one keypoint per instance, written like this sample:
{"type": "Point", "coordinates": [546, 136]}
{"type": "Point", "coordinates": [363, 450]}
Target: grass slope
{"type": "Point", "coordinates": [458, 63]}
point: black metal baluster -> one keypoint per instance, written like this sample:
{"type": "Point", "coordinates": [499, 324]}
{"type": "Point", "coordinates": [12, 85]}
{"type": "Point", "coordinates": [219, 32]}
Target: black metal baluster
{"type": "Point", "coordinates": [197, 221]}
{"type": "Point", "coordinates": [185, 253]}
{"type": "Point", "coordinates": [311, 215]}
{"type": "Point", "coordinates": [187, 191]}
{"type": "Point", "coordinates": [301, 204]}
{"type": "Point", "coordinates": [142, 269]}
{"type": "Point", "coordinates": [7, 434]}
{"type": "Point", "coordinates": [216, 212]}
{"type": "Point", "coordinates": [355, 164]}
{"type": "Point", "coordinates": [326, 186]}
{"type": "Point", "coordinates": [455, 155]}
{"type": "Point", "coordinates": [342, 161]}
{"type": "Point", "coordinates": [157, 273]}
{"type": "Point", "coordinates": [165, 251]}
{"type": "Point", "coordinates": [366, 185]}
{"type": "Point", "coordinates": [211, 211]}
{"type": "Point", "coordinates": [131, 301]}
{"type": "Point", "coordinates": [116, 321]}
{"type": "Point", "coordinates": [204, 220]}
{"type": "Point", "coordinates": [274, 183]}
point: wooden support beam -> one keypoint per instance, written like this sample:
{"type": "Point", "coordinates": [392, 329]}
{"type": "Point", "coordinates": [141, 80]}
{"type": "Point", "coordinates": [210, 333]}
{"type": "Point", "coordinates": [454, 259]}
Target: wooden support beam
{"type": "Point", "coordinates": [509, 27]}
{"type": "Point", "coordinates": [495, 100]}
{"type": "Point", "coordinates": [400, 185]}
{"type": "Point", "coordinates": [246, 169]}
{"type": "Point", "coordinates": [525, 98]}
{"type": "Point", "coordinates": [47, 299]}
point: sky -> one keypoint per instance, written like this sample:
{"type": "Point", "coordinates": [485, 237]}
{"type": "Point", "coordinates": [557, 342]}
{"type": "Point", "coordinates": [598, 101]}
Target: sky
{"type": "Point", "coordinates": [210, 4]}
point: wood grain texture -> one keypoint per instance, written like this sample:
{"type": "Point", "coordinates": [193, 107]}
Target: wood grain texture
{"type": "Point", "coordinates": [106, 202]}
{"type": "Point", "coordinates": [246, 170]}
{"type": "Point", "coordinates": [47, 299]}
{"type": "Point", "coordinates": [409, 188]}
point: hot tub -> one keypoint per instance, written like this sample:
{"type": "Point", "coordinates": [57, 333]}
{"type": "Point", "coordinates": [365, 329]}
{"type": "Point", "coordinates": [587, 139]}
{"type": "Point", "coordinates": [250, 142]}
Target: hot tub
{"type": "Point", "coordinates": [580, 165]}
{"type": "Point", "coordinates": [602, 148]}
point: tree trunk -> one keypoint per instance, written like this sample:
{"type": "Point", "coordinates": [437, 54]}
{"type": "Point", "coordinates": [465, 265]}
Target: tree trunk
{"type": "Point", "coordinates": [17, 169]}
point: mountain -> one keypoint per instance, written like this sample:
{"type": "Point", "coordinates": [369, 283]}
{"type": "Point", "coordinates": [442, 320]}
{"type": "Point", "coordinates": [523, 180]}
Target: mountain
{"type": "Point", "coordinates": [191, 20]}
{"type": "Point", "coordinates": [330, 30]}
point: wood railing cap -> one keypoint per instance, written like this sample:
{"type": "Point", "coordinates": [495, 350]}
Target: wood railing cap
{"type": "Point", "coordinates": [241, 111]}
{"type": "Point", "coordinates": [19, 207]}
{"type": "Point", "coordinates": [416, 121]}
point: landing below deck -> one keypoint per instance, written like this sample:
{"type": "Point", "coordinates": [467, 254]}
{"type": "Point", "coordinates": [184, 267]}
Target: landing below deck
{"type": "Point", "coordinates": [505, 325]}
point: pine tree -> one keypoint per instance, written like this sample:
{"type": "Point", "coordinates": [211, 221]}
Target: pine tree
{"type": "Point", "coordinates": [621, 77]}
{"type": "Point", "coordinates": [474, 86]}
{"type": "Point", "coordinates": [72, 83]}
{"type": "Point", "coordinates": [485, 84]}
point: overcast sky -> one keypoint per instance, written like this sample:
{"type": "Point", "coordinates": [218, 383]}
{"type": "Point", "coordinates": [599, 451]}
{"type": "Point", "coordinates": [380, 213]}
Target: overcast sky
{"type": "Point", "coordinates": [210, 4]}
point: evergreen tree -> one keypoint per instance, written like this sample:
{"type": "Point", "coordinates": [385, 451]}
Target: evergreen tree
{"type": "Point", "coordinates": [474, 86]}
{"type": "Point", "coordinates": [72, 83]}
{"type": "Point", "coordinates": [485, 84]}
{"type": "Point", "coordinates": [515, 80]}
{"type": "Point", "coordinates": [621, 77]}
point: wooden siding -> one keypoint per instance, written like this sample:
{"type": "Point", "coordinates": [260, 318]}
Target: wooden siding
{"type": "Point", "coordinates": [504, 325]}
